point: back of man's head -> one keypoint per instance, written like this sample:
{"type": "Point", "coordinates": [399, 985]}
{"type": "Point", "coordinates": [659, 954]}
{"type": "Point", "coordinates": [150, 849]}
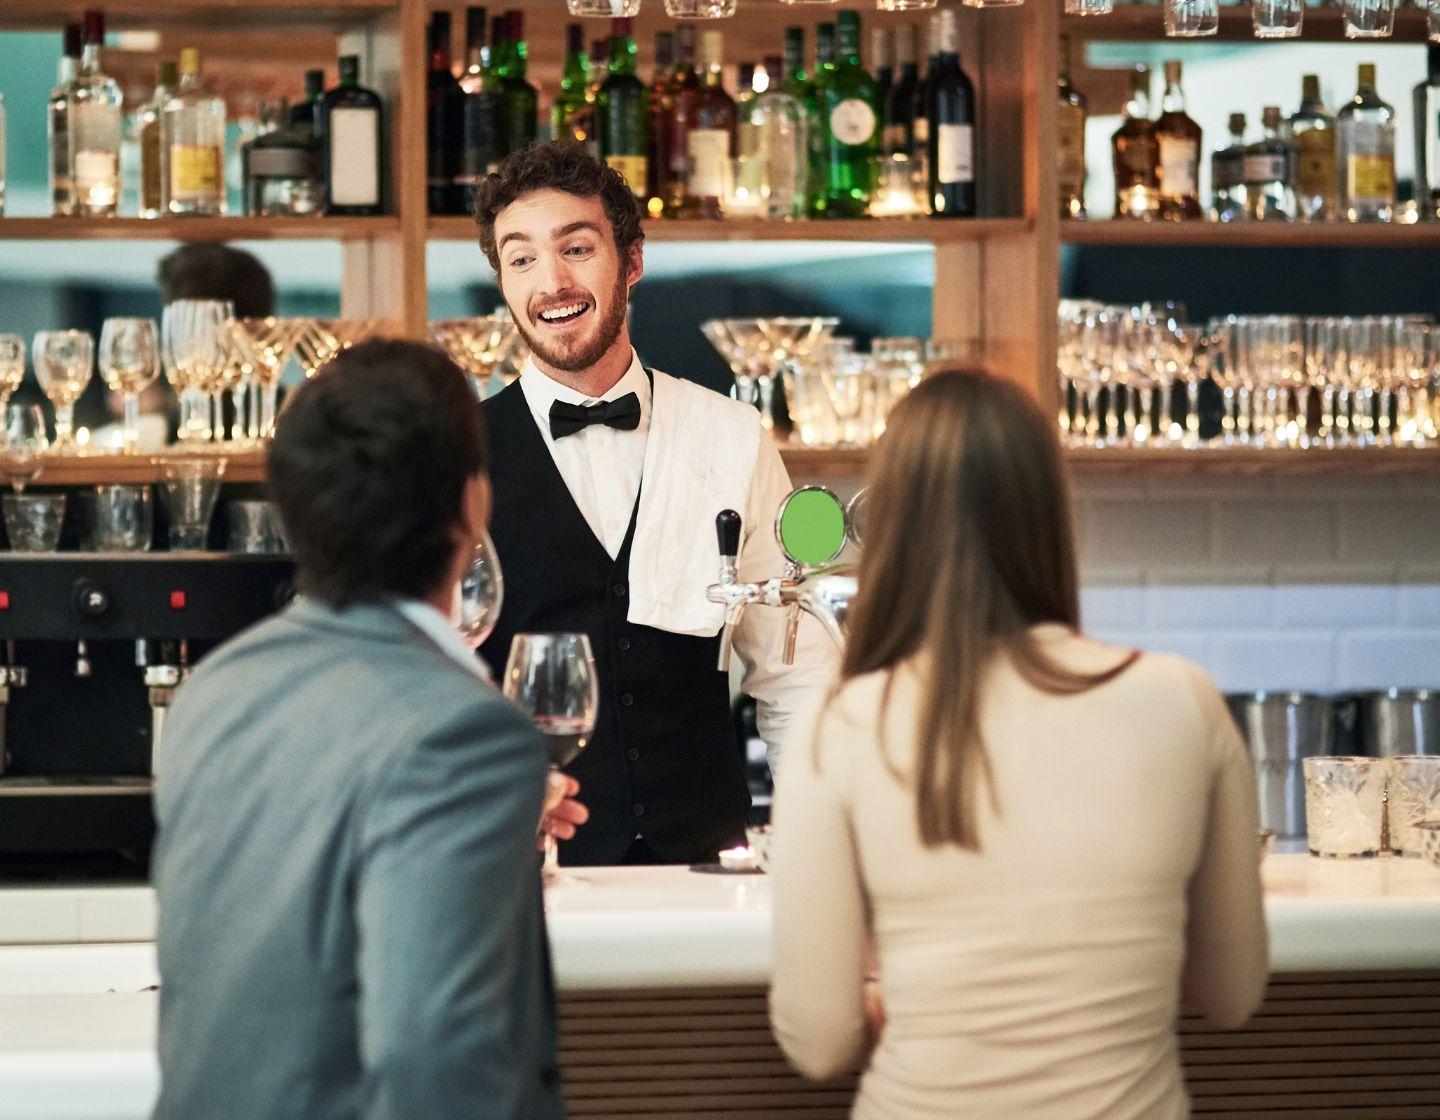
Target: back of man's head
{"type": "Point", "coordinates": [368, 467]}
{"type": "Point", "coordinates": [202, 270]}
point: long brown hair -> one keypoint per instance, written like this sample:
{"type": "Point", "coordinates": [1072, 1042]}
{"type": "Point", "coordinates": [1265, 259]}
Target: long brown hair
{"type": "Point", "coordinates": [968, 544]}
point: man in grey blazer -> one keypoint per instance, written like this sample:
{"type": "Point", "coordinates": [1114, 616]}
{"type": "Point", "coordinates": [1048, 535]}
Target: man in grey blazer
{"type": "Point", "coordinates": [350, 912]}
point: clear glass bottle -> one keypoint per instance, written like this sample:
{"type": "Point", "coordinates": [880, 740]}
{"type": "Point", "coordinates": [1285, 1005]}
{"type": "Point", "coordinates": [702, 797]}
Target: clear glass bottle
{"type": "Point", "coordinates": [1137, 154]}
{"type": "Point", "coordinates": [1178, 138]}
{"type": "Point", "coordinates": [148, 128]}
{"type": "Point", "coordinates": [193, 140]}
{"type": "Point", "coordinates": [1365, 131]}
{"type": "Point", "coordinates": [779, 126]}
{"type": "Point", "coordinates": [1269, 195]}
{"type": "Point", "coordinates": [1312, 131]}
{"type": "Point", "coordinates": [1071, 144]}
{"type": "Point", "coordinates": [281, 169]}
{"type": "Point", "coordinates": [710, 143]}
{"type": "Point", "coordinates": [62, 195]}
{"type": "Point", "coordinates": [1427, 138]}
{"type": "Point", "coordinates": [1227, 175]}
{"type": "Point", "coordinates": [94, 118]}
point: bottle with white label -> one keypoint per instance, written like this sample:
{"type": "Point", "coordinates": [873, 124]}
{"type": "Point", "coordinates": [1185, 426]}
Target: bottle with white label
{"type": "Point", "coordinates": [1178, 140]}
{"type": "Point", "coordinates": [93, 111]}
{"type": "Point", "coordinates": [1269, 169]}
{"type": "Point", "coordinates": [353, 127]}
{"type": "Point", "coordinates": [850, 126]}
{"type": "Point", "coordinates": [1365, 131]}
{"type": "Point", "coordinates": [192, 144]}
{"type": "Point", "coordinates": [950, 110]}
{"type": "Point", "coordinates": [710, 139]}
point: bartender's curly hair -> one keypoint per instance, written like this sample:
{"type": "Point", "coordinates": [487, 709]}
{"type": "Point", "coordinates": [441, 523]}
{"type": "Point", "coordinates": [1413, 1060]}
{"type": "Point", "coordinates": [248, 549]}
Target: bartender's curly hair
{"type": "Point", "coordinates": [561, 166]}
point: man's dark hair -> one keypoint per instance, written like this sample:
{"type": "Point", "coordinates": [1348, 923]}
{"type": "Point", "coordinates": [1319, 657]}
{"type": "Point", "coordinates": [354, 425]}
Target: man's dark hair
{"type": "Point", "coordinates": [368, 467]}
{"type": "Point", "coordinates": [559, 166]}
{"type": "Point", "coordinates": [201, 270]}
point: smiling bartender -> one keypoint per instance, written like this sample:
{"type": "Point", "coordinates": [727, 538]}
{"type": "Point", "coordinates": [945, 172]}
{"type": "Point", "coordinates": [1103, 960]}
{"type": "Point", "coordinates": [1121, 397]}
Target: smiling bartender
{"type": "Point", "coordinates": [607, 480]}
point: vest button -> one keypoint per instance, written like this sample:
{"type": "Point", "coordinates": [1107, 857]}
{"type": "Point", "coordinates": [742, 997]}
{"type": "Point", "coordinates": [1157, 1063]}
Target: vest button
{"type": "Point", "coordinates": [632, 753]}
{"type": "Point", "coordinates": [623, 645]}
{"type": "Point", "coordinates": [627, 699]}
{"type": "Point", "coordinates": [638, 809]}
{"type": "Point", "coordinates": [619, 590]}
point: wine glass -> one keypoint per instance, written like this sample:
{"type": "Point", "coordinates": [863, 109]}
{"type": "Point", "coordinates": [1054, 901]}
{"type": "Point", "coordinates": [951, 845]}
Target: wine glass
{"type": "Point", "coordinates": [24, 442]}
{"type": "Point", "coordinates": [129, 363]}
{"type": "Point", "coordinates": [196, 344]}
{"type": "Point", "coordinates": [552, 678]}
{"type": "Point", "coordinates": [482, 593]}
{"type": "Point", "coordinates": [12, 365]}
{"type": "Point", "coordinates": [63, 361]}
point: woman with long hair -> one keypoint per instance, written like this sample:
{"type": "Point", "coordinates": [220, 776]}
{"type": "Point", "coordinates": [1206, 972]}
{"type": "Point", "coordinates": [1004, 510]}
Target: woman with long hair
{"type": "Point", "coordinates": [1048, 844]}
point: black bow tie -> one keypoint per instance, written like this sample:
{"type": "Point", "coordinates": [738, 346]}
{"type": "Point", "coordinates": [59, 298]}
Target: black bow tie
{"type": "Point", "coordinates": [567, 419]}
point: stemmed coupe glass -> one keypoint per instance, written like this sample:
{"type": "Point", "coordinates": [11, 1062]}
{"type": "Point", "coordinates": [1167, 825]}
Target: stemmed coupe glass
{"type": "Point", "coordinates": [552, 678]}
{"type": "Point", "coordinates": [129, 363]}
{"type": "Point", "coordinates": [63, 365]}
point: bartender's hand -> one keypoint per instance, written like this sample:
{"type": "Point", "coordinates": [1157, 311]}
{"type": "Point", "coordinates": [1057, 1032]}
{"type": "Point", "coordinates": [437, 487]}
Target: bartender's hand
{"type": "Point", "coordinates": [562, 812]}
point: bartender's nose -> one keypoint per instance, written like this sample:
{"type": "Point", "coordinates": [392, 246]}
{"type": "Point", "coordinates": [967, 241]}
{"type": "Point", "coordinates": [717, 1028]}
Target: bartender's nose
{"type": "Point", "coordinates": [554, 274]}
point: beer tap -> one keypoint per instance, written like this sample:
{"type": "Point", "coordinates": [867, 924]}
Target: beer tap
{"type": "Point", "coordinates": [162, 677]}
{"type": "Point", "coordinates": [730, 593]}
{"type": "Point", "coordinates": [11, 676]}
{"type": "Point", "coordinates": [82, 659]}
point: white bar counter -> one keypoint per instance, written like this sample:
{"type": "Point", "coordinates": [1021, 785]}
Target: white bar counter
{"type": "Point", "coordinates": [77, 1027]}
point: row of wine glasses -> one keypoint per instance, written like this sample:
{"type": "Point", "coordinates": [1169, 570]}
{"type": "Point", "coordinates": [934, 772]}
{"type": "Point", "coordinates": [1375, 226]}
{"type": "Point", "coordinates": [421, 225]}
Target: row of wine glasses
{"type": "Point", "coordinates": [760, 350]}
{"type": "Point", "coordinates": [488, 347]}
{"type": "Point", "coordinates": [1274, 19]}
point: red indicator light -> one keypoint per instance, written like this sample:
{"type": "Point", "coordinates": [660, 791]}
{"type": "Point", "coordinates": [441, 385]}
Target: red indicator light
{"type": "Point", "coordinates": [4, 600]}
{"type": "Point", "coordinates": [177, 600]}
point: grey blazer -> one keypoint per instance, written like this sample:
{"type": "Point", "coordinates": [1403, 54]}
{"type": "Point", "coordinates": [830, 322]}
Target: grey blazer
{"type": "Point", "coordinates": [350, 914]}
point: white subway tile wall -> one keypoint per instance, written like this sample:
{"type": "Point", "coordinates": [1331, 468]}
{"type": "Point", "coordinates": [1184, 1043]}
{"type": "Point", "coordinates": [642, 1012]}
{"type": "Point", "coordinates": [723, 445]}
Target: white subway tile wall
{"type": "Point", "coordinates": [1305, 584]}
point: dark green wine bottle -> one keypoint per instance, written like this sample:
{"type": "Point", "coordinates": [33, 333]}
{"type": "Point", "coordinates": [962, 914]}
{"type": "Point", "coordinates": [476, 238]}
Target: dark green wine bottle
{"type": "Point", "coordinates": [522, 102]}
{"type": "Point", "coordinates": [796, 80]}
{"type": "Point", "coordinates": [622, 109]}
{"type": "Point", "coordinates": [813, 100]}
{"type": "Point", "coordinates": [851, 126]}
{"type": "Point", "coordinates": [570, 116]}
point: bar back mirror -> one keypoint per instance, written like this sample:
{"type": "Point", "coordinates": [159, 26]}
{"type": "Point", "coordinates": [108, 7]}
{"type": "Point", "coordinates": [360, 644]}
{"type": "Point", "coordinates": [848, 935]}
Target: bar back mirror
{"type": "Point", "coordinates": [811, 526]}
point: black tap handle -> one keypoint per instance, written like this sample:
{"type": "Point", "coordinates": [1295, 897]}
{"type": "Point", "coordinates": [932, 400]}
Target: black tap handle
{"type": "Point", "coordinates": [727, 532]}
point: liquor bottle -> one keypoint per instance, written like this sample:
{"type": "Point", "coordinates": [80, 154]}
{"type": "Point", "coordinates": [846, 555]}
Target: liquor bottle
{"type": "Point", "coordinates": [1365, 133]}
{"type": "Point", "coordinates": [353, 128]}
{"type": "Point", "coordinates": [443, 107]}
{"type": "Point", "coordinates": [1071, 145]}
{"type": "Point", "coordinates": [153, 202]}
{"type": "Point", "coordinates": [192, 140]}
{"type": "Point", "coordinates": [1269, 195]}
{"type": "Point", "coordinates": [281, 169]}
{"type": "Point", "coordinates": [796, 80]}
{"type": "Point", "coordinates": [571, 115]}
{"type": "Point", "coordinates": [1227, 175]}
{"type": "Point", "coordinates": [1312, 131]}
{"type": "Point", "coordinates": [1137, 154]}
{"type": "Point", "coordinates": [1427, 138]}
{"type": "Point", "coordinates": [778, 126]}
{"type": "Point", "coordinates": [745, 91]}
{"type": "Point", "coordinates": [662, 104]}
{"type": "Point", "coordinates": [950, 98]}
{"type": "Point", "coordinates": [851, 124]}
{"type": "Point", "coordinates": [899, 137]}
{"type": "Point", "coordinates": [93, 113]}
{"type": "Point", "coordinates": [922, 107]}
{"type": "Point", "coordinates": [882, 62]}
{"type": "Point", "coordinates": [1178, 138]}
{"type": "Point", "coordinates": [62, 198]}
{"type": "Point", "coordinates": [622, 110]}
{"type": "Point", "coordinates": [710, 143]}
{"type": "Point", "coordinates": [820, 74]}
{"type": "Point", "coordinates": [522, 102]}
{"type": "Point", "coordinates": [672, 131]}
{"type": "Point", "coordinates": [474, 76]}
{"type": "Point", "coordinates": [305, 115]}
{"type": "Point", "coordinates": [497, 53]}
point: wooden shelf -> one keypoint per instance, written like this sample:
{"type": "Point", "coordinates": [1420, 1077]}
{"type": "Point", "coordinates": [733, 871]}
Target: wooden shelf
{"type": "Point", "coordinates": [196, 229]}
{"type": "Point", "coordinates": [917, 230]}
{"type": "Point", "coordinates": [93, 470]}
{"type": "Point", "coordinates": [1264, 235]}
{"type": "Point", "coordinates": [1130, 21]}
{"type": "Point", "coordinates": [129, 15]}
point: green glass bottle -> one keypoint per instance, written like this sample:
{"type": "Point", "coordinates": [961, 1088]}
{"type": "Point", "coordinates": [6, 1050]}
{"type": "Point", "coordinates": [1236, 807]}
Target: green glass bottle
{"type": "Point", "coordinates": [571, 116]}
{"type": "Point", "coordinates": [851, 126]}
{"type": "Point", "coordinates": [796, 80]}
{"type": "Point", "coordinates": [522, 101]}
{"type": "Point", "coordinates": [813, 100]}
{"type": "Point", "coordinates": [622, 109]}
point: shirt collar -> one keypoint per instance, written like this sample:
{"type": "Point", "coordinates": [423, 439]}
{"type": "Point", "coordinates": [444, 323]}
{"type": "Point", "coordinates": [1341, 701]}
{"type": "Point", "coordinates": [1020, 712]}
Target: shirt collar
{"type": "Point", "coordinates": [442, 632]}
{"type": "Point", "coordinates": [541, 391]}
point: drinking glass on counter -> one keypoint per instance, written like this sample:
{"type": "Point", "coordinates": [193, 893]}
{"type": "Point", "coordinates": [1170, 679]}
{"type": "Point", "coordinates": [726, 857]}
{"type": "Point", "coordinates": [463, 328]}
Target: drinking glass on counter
{"type": "Point", "coordinates": [190, 487]}
{"type": "Point", "coordinates": [1412, 795]}
{"type": "Point", "coordinates": [1190, 19]}
{"type": "Point", "coordinates": [63, 365]}
{"type": "Point", "coordinates": [552, 678]}
{"type": "Point", "coordinates": [33, 521]}
{"type": "Point", "coordinates": [12, 365]}
{"type": "Point", "coordinates": [129, 363]}
{"type": "Point", "coordinates": [25, 441]}
{"type": "Point", "coordinates": [1277, 19]}
{"type": "Point", "coordinates": [253, 528]}
{"type": "Point", "coordinates": [1344, 806]}
{"type": "Point", "coordinates": [120, 519]}
{"type": "Point", "coordinates": [1369, 19]}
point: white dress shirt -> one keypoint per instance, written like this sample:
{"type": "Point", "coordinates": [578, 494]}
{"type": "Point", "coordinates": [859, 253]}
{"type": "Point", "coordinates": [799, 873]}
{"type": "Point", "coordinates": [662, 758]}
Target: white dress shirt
{"type": "Point", "coordinates": [710, 455]}
{"type": "Point", "coordinates": [443, 633]}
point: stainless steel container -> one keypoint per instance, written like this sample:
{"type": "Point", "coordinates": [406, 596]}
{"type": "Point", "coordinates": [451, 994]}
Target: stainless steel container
{"type": "Point", "coordinates": [1400, 721]}
{"type": "Point", "coordinates": [1282, 728]}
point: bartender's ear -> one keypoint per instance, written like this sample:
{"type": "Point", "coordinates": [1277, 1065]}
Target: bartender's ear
{"type": "Point", "coordinates": [635, 264]}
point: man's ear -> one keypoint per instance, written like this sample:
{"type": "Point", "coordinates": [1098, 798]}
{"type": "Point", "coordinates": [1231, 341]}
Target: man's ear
{"type": "Point", "coordinates": [635, 264]}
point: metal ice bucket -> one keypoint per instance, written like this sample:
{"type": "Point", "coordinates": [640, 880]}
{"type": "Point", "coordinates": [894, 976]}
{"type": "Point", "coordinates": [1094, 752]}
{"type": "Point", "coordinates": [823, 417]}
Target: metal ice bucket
{"type": "Point", "coordinates": [1282, 728]}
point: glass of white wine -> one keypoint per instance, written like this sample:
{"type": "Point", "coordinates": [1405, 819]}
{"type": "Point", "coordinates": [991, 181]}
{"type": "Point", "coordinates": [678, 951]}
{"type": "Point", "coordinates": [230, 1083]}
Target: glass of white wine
{"type": "Point", "coordinates": [129, 363]}
{"type": "Point", "coordinates": [12, 365]}
{"type": "Point", "coordinates": [63, 365]}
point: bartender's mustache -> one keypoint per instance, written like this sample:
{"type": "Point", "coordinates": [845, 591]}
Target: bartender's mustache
{"type": "Point", "coordinates": [566, 298]}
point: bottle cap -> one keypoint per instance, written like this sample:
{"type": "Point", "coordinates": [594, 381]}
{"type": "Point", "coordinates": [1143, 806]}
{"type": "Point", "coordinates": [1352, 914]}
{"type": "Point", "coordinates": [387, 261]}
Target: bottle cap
{"type": "Point", "coordinates": [349, 67]}
{"type": "Point", "coordinates": [1172, 71]}
{"type": "Point", "coordinates": [515, 25]}
{"type": "Point", "coordinates": [574, 38]}
{"type": "Point", "coordinates": [1367, 73]}
{"type": "Point", "coordinates": [73, 39]}
{"type": "Point", "coordinates": [1310, 87]}
{"type": "Point", "coordinates": [746, 83]}
{"type": "Point", "coordinates": [189, 62]}
{"type": "Point", "coordinates": [621, 27]}
{"type": "Point", "coordinates": [1237, 122]}
{"type": "Point", "coordinates": [1271, 117]}
{"type": "Point", "coordinates": [1140, 79]}
{"type": "Point", "coordinates": [314, 82]}
{"type": "Point", "coordinates": [94, 27]}
{"type": "Point", "coordinates": [165, 73]}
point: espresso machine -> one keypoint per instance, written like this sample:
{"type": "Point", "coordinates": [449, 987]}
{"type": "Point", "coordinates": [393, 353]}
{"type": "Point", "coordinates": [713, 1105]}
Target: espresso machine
{"type": "Point", "coordinates": [92, 649]}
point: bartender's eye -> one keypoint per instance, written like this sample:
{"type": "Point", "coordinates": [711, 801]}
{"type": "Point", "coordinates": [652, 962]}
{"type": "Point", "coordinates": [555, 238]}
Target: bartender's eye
{"type": "Point", "coordinates": [579, 252]}
{"type": "Point", "coordinates": [520, 262]}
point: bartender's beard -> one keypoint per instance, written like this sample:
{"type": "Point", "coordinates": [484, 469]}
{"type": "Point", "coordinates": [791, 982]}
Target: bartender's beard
{"type": "Point", "coordinates": [580, 354]}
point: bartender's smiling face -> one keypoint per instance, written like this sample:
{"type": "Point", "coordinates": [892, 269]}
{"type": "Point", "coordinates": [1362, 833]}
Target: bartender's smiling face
{"type": "Point", "coordinates": [563, 278]}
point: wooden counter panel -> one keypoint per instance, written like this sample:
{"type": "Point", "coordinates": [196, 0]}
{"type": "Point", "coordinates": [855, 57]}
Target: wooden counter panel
{"type": "Point", "coordinates": [1325, 1046]}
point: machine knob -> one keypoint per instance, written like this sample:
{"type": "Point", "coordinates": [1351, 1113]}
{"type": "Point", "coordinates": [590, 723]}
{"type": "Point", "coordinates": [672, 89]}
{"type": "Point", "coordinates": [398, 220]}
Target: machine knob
{"type": "Point", "coordinates": [91, 600]}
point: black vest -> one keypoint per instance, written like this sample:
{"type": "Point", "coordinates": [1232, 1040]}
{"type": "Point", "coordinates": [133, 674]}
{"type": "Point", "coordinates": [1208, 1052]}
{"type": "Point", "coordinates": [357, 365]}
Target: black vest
{"type": "Point", "coordinates": [664, 764]}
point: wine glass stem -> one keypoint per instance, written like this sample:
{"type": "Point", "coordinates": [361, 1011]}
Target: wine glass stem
{"type": "Point", "coordinates": [131, 425]}
{"type": "Point", "coordinates": [267, 409]}
{"type": "Point", "coordinates": [64, 424]}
